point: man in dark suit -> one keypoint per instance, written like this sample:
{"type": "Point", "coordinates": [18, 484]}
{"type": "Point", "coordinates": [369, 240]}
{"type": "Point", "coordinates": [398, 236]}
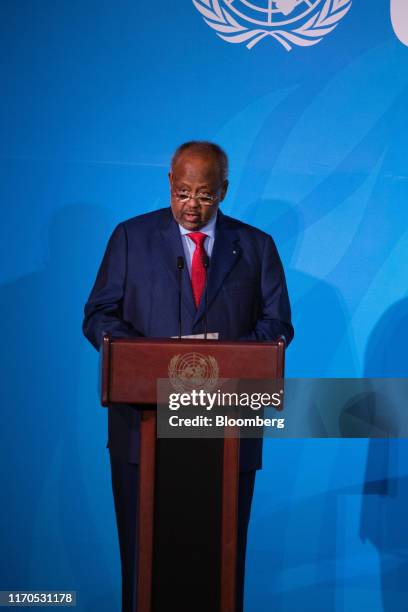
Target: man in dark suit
{"type": "Point", "coordinates": [136, 294]}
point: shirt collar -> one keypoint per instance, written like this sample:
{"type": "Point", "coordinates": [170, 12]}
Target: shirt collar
{"type": "Point", "coordinates": [208, 228]}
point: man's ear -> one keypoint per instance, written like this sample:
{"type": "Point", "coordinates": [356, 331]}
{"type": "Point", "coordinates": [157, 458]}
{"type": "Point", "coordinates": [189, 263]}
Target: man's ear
{"type": "Point", "coordinates": [170, 178]}
{"type": "Point", "coordinates": [224, 190]}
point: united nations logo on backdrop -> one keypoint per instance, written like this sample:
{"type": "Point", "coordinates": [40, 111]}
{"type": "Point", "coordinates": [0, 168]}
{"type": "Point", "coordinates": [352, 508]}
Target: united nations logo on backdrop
{"type": "Point", "coordinates": [399, 19]}
{"type": "Point", "coordinates": [291, 22]}
{"type": "Point", "coordinates": [193, 371]}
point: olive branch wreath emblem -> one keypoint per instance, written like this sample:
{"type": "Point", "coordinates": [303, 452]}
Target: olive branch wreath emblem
{"type": "Point", "coordinates": [207, 383]}
{"type": "Point", "coordinates": [217, 16]}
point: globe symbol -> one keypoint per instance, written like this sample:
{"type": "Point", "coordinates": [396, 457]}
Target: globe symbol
{"type": "Point", "coordinates": [271, 13]}
{"type": "Point", "coordinates": [193, 371]}
{"type": "Point", "coordinates": [303, 23]}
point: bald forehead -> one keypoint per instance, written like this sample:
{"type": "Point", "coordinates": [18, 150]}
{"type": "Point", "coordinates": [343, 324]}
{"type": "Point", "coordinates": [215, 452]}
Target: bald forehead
{"type": "Point", "coordinates": [192, 163]}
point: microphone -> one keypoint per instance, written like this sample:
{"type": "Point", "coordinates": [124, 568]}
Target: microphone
{"type": "Point", "coordinates": [180, 268]}
{"type": "Point", "coordinates": [206, 264]}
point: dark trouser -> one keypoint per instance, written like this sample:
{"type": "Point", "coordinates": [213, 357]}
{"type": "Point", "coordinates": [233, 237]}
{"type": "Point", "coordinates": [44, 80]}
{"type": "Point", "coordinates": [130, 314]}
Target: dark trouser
{"type": "Point", "coordinates": [124, 485]}
{"type": "Point", "coordinates": [246, 490]}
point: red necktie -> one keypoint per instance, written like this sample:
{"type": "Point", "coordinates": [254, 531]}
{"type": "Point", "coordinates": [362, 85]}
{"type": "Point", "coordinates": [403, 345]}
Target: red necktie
{"type": "Point", "coordinates": [197, 265]}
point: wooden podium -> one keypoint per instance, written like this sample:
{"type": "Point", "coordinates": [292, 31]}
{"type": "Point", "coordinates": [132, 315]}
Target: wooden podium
{"type": "Point", "coordinates": [166, 571]}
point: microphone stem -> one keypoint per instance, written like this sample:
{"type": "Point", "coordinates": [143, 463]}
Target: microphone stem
{"type": "Point", "coordinates": [180, 267]}
{"type": "Point", "coordinates": [206, 266]}
{"type": "Point", "coordinates": [206, 308]}
{"type": "Point", "coordinates": [179, 299]}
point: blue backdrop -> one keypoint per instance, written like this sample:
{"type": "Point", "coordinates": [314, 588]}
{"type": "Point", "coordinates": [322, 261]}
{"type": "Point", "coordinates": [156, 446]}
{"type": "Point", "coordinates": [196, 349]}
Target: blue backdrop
{"type": "Point", "coordinates": [95, 97]}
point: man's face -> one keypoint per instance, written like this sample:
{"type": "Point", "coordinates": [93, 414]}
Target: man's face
{"type": "Point", "coordinates": [197, 175]}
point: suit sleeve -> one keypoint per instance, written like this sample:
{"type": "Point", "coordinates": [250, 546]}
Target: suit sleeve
{"type": "Point", "coordinates": [103, 310]}
{"type": "Point", "coordinates": [274, 319]}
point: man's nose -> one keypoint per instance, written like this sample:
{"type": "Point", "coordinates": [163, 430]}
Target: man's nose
{"type": "Point", "coordinates": [193, 202]}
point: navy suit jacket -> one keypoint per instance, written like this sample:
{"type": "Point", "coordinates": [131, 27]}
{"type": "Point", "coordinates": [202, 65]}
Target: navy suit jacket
{"type": "Point", "coordinates": [136, 294]}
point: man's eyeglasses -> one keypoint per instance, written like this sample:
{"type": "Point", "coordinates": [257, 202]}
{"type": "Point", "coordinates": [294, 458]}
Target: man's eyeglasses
{"type": "Point", "coordinates": [184, 197]}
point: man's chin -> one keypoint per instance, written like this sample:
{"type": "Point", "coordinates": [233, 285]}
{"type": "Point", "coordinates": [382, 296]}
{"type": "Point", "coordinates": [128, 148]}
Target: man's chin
{"type": "Point", "coordinates": [191, 224]}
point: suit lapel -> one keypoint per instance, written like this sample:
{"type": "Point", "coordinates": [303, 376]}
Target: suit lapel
{"type": "Point", "coordinates": [225, 255]}
{"type": "Point", "coordinates": [169, 247]}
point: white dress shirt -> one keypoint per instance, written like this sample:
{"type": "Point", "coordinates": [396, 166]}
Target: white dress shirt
{"type": "Point", "coordinates": [189, 246]}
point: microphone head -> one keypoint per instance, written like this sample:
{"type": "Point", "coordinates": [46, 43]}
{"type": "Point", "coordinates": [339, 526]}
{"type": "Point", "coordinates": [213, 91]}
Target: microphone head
{"type": "Point", "coordinates": [206, 261]}
{"type": "Point", "coordinates": [180, 262]}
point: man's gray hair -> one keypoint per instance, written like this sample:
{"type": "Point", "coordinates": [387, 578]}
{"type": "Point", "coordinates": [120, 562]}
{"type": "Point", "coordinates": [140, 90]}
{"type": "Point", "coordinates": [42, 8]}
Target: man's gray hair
{"type": "Point", "coordinates": [206, 148]}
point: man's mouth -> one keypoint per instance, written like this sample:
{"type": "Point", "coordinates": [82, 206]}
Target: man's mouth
{"type": "Point", "coordinates": [191, 216]}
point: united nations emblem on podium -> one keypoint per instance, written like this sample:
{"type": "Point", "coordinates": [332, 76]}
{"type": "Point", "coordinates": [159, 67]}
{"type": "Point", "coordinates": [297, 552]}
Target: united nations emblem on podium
{"type": "Point", "coordinates": [193, 371]}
